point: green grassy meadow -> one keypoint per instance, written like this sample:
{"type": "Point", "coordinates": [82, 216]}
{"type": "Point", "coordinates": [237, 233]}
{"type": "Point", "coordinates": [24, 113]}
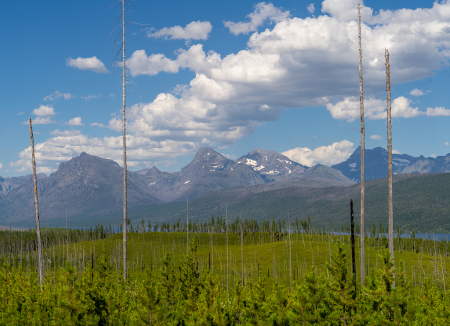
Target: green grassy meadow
{"type": "Point", "coordinates": [263, 255]}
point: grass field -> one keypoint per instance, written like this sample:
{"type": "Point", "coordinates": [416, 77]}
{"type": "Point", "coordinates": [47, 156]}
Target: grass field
{"type": "Point", "coordinates": [263, 254]}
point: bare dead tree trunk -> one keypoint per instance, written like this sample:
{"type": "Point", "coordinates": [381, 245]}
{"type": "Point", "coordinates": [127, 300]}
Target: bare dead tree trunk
{"type": "Point", "coordinates": [124, 151]}
{"type": "Point", "coordinates": [290, 254]}
{"type": "Point", "coordinates": [67, 234]}
{"type": "Point", "coordinates": [242, 254]}
{"type": "Point", "coordinates": [352, 222]}
{"type": "Point", "coordinates": [10, 245]}
{"type": "Point", "coordinates": [226, 218]}
{"type": "Point", "coordinates": [36, 206]}
{"type": "Point", "coordinates": [187, 224]}
{"type": "Point", "coordinates": [361, 100]}
{"type": "Point", "coordinates": [389, 150]}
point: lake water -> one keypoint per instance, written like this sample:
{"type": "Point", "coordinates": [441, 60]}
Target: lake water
{"type": "Point", "coordinates": [428, 236]}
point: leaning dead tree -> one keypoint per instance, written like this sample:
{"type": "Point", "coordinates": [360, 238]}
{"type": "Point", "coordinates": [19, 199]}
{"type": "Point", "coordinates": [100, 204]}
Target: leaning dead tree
{"type": "Point", "coordinates": [361, 104]}
{"type": "Point", "coordinates": [389, 150]}
{"type": "Point", "coordinates": [36, 207]}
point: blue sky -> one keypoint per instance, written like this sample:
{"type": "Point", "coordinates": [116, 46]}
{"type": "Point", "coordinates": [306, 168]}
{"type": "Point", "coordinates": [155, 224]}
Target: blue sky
{"type": "Point", "coordinates": [234, 75]}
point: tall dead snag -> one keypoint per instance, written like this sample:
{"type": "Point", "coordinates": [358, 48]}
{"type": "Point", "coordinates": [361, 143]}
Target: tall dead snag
{"type": "Point", "coordinates": [290, 255]}
{"type": "Point", "coordinates": [242, 254]}
{"type": "Point", "coordinates": [226, 226]}
{"type": "Point", "coordinates": [352, 237]}
{"type": "Point", "coordinates": [187, 224]}
{"type": "Point", "coordinates": [389, 150]}
{"type": "Point", "coordinates": [124, 222]}
{"type": "Point", "coordinates": [361, 104]}
{"type": "Point", "coordinates": [36, 207]}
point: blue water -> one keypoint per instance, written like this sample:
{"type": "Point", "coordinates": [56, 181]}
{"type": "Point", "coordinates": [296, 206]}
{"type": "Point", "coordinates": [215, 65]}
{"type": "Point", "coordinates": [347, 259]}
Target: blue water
{"type": "Point", "coordinates": [428, 236]}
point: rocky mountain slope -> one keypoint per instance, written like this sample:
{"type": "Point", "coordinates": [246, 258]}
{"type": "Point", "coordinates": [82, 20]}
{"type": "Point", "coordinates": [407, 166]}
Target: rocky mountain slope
{"type": "Point", "coordinates": [272, 166]}
{"type": "Point", "coordinates": [86, 185]}
{"type": "Point", "coordinates": [376, 164]}
{"type": "Point", "coordinates": [89, 186]}
{"type": "Point", "coordinates": [8, 184]}
{"type": "Point", "coordinates": [208, 171]}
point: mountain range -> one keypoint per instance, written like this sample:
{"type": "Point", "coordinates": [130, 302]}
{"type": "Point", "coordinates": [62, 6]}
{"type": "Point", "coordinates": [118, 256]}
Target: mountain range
{"type": "Point", "coordinates": [89, 188]}
{"type": "Point", "coordinates": [376, 164]}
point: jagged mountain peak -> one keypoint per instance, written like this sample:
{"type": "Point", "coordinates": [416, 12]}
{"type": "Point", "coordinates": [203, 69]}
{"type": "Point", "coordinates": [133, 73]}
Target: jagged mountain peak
{"type": "Point", "coordinates": [207, 160]}
{"type": "Point", "coordinates": [271, 165]}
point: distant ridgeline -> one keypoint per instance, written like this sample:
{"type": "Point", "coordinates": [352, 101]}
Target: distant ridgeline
{"type": "Point", "coordinates": [262, 185]}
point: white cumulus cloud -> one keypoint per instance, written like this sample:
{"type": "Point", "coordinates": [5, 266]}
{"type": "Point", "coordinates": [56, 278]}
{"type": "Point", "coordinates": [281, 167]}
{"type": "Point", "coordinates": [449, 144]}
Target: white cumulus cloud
{"type": "Point", "coordinates": [43, 115]}
{"type": "Point", "coordinates": [263, 12]}
{"type": "Point", "coordinates": [327, 155]}
{"type": "Point", "coordinates": [56, 95]}
{"type": "Point", "coordinates": [196, 30]}
{"type": "Point", "coordinates": [96, 124]}
{"type": "Point", "coordinates": [65, 133]}
{"type": "Point", "coordinates": [349, 109]}
{"type": "Point", "coordinates": [77, 121]}
{"type": "Point", "coordinates": [416, 92]}
{"type": "Point", "coordinates": [141, 152]}
{"type": "Point", "coordinates": [447, 143]}
{"type": "Point", "coordinates": [1, 166]}
{"type": "Point", "coordinates": [439, 111]}
{"type": "Point", "coordinates": [92, 63]}
{"type": "Point", "coordinates": [310, 8]}
{"type": "Point", "coordinates": [297, 62]}
{"type": "Point", "coordinates": [375, 137]}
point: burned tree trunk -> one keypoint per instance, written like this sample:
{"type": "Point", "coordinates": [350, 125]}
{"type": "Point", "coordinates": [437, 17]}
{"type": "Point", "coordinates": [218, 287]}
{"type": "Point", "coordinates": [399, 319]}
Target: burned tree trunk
{"type": "Point", "coordinates": [361, 100]}
{"type": "Point", "coordinates": [36, 207]}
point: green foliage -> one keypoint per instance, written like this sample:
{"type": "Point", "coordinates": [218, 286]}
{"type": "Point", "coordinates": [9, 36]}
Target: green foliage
{"type": "Point", "coordinates": [182, 290]}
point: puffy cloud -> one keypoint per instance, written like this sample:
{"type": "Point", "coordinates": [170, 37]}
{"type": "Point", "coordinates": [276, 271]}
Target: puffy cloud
{"type": "Point", "coordinates": [328, 155]}
{"type": "Point", "coordinates": [44, 111]}
{"type": "Point", "coordinates": [401, 108]}
{"type": "Point", "coordinates": [263, 12]}
{"type": "Point", "coordinates": [346, 10]}
{"type": "Point", "coordinates": [1, 166]}
{"type": "Point", "coordinates": [439, 111]}
{"type": "Point", "coordinates": [314, 61]}
{"type": "Point", "coordinates": [191, 118]}
{"type": "Point", "coordinates": [195, 30]}
{"type": "Point", "coordinates": [77, 121]}
{"type": "Point", "coordinates": [43, 115]}
{"type": "Point", "coordinates": [141, 152]}
{"type": "Point", "coordinates": [310, 8]}
{"type": "Point", "coordinates": [56, 95]}
{"type": "Point", "coordinates": [112, 95]}
{"type": "Point", "coordinates": [416, 92]}
{"type": "Point", "coordinates": [296, 63]}
{"type": "Point", "coordinates": [394, 151]}
{"type": "Point", "coordinates": [101, 125]}
{"type": "Point", "coordinates": [140, 64]}
{"type": "Point", "coordinates": [92, 63]}
{"type": "Point", "coordinates": [349, 109]}
{"type": "Point", "coordinates": [65, 133]}
{"type": "Point", "coordinates": [375, 137]}
{"type": "Point", "coordinates": [447, 143]}
{"type": "Point", "coordinates": [433, 155]}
